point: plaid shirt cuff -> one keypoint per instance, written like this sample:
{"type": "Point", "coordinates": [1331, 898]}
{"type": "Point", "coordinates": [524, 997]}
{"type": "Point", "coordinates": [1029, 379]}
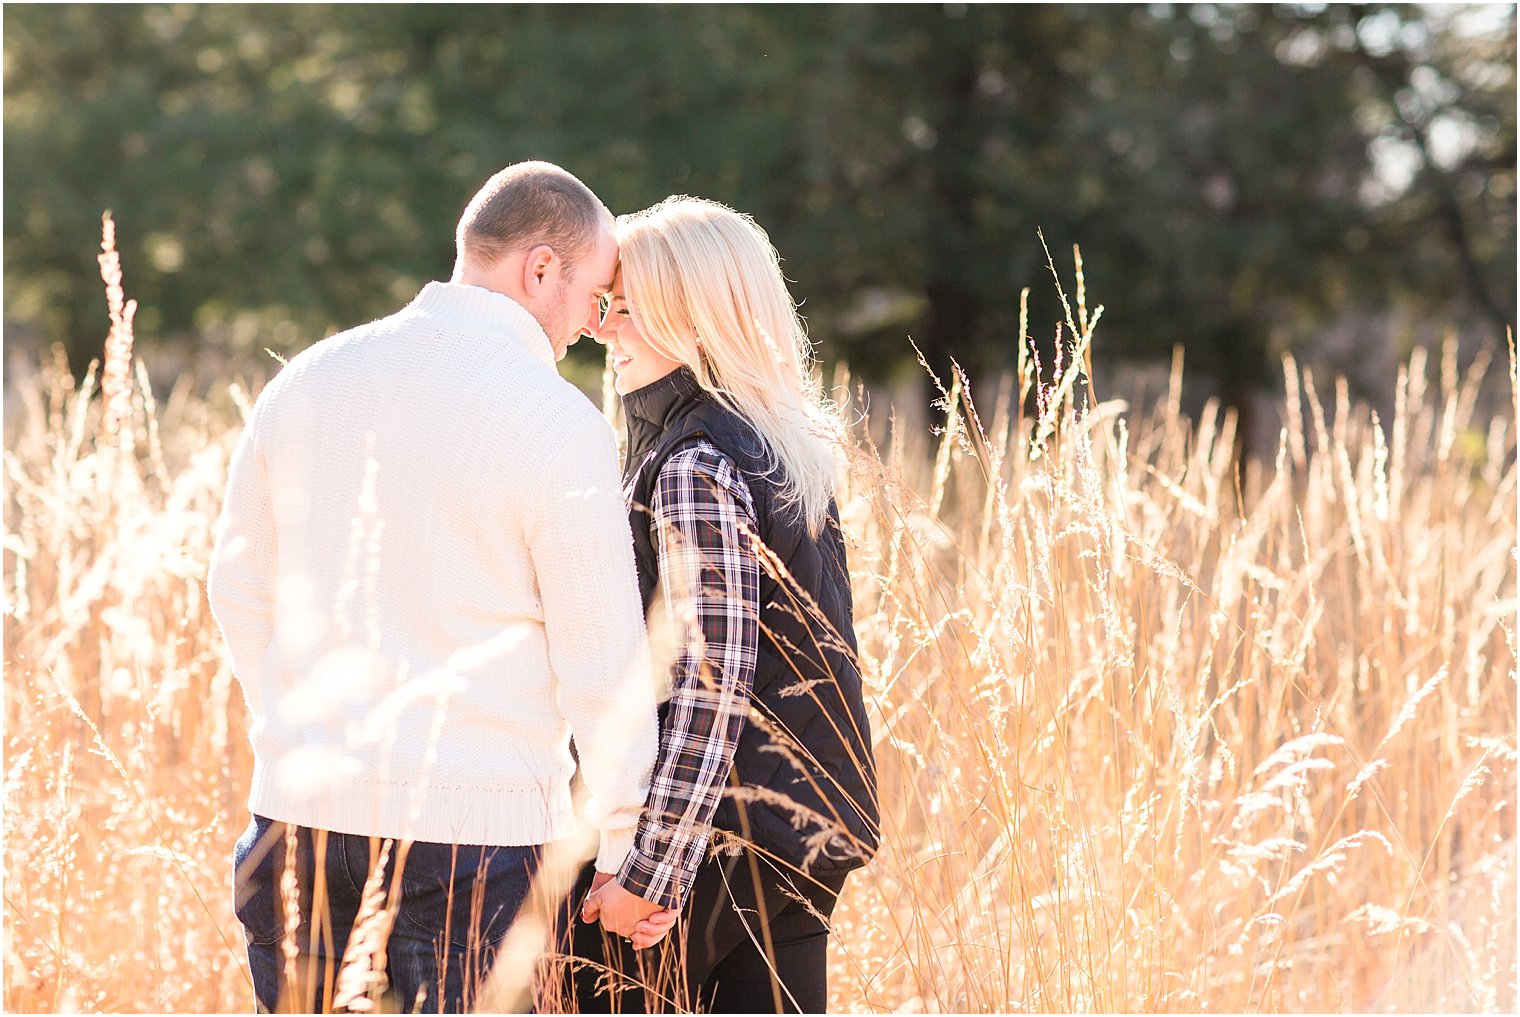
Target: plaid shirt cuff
{"type": "Point", "coordinates": [662, 870]}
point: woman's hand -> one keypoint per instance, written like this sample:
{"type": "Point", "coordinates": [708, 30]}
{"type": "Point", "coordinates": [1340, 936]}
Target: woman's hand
{"type": "Point", "coordinates": [649, 931]}
{"type": "Point", "coordinates": [618, 909]}
{"type": "Point", "coordinates": [654, 928]}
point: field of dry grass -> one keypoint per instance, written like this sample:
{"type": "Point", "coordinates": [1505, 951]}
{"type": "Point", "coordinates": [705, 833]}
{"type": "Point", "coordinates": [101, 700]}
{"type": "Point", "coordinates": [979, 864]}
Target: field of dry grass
{"type": "Point", "coordinates": [1153, 737]}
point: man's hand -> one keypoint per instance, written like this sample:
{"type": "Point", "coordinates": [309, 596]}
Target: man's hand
{"type": "Point", "coordinates": [619, 910]}
{"type": "Point", "coordinates": [588, 911]}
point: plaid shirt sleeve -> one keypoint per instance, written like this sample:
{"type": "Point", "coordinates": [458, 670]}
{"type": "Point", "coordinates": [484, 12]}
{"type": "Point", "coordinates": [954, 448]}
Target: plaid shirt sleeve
{"type": "Point", "coordinates": [710, 581]}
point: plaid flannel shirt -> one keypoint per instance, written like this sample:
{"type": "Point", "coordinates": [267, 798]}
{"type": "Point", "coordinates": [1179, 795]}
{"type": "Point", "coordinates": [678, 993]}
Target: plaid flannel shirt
{"type": "Point", "coordinates": [710, 580]}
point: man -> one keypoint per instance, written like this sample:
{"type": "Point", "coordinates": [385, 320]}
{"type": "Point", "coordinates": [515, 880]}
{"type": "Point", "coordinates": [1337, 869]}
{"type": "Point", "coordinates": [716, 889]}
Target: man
{"type": "Point", "coordinates": [425, 578]}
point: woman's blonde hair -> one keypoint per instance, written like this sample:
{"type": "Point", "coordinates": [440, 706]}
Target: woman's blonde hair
{"type": "Point", "coordinates": [706, 289]}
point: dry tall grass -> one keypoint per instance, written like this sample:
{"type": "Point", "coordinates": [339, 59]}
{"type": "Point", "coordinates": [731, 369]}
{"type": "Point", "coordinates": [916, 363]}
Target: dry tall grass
{"type": "Point", "coordinates": [1152, 736]}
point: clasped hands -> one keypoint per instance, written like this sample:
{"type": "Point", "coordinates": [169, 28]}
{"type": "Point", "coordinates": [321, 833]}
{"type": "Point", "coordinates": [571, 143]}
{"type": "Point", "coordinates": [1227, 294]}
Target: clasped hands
{"type": "Point", "coordinates": [626, 914]}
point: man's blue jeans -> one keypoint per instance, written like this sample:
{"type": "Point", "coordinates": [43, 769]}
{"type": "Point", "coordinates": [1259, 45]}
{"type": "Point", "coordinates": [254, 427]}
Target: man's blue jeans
{"type": "Point", "coordinates": [456, 904]}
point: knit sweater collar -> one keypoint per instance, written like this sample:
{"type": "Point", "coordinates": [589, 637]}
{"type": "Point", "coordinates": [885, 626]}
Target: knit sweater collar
{"type": "Point", "coordinates": [651, 409]}
{"type": "Point", "coordinates": [486, 310]}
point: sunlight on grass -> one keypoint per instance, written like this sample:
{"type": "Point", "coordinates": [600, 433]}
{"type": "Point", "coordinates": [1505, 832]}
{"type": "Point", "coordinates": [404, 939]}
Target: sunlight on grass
{"type": "Point", "coordinates": [1152, 736]}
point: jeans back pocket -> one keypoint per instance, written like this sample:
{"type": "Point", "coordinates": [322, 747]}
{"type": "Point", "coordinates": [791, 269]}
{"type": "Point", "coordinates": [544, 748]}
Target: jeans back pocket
{"type": "Point", "coordinates": [257, 860]}
{"type": "Point", "coordinates": [467, 893]}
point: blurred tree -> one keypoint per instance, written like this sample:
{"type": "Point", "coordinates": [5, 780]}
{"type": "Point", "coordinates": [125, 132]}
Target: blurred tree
{"type": "Point", "coordinates": [1238, 176]}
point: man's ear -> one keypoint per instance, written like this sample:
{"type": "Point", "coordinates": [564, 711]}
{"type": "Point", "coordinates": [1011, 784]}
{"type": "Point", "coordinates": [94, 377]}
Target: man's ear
{"type": "Point", "coordinates": [540, 263]}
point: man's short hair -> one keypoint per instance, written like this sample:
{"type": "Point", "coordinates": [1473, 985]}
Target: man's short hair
{"type": "Point", "coordinates": [528, 204]}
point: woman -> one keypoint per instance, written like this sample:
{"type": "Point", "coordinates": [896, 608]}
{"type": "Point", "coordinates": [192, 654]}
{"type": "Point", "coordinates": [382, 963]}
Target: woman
{"type": "Point", "coordinates": [765, 753]}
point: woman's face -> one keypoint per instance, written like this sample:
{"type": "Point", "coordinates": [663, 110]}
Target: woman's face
{"type": "Point", "coordinates": [634, 361]}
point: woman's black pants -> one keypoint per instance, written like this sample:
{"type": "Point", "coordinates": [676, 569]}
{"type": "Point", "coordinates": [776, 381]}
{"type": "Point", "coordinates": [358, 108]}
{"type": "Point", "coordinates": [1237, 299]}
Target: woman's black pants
{"type": "Point", "coordinates": [749, 945]}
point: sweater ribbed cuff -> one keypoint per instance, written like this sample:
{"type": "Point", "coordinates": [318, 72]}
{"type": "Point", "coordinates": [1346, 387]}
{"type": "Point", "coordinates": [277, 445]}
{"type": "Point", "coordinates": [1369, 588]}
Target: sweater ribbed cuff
{"type": "Point", "coordinates": [614, 850]}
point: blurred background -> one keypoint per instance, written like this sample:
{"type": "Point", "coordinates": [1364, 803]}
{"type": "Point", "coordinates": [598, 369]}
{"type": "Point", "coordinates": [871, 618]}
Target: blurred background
{"type": "Point", "coordinates": [1243, 181]}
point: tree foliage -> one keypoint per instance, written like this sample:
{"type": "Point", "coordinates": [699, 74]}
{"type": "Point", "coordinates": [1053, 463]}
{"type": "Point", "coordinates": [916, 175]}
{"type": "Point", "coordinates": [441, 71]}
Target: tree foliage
{"type": "Point", "coordinates": [1237, 176]}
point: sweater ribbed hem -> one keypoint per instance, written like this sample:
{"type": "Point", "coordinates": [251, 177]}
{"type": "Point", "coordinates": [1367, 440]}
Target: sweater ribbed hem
{"type": "Point", "coordinates": [497, 817]}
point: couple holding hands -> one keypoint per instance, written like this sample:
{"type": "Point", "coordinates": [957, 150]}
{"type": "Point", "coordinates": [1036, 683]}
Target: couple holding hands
{"type": "Point", "coordinates": [432, 580]}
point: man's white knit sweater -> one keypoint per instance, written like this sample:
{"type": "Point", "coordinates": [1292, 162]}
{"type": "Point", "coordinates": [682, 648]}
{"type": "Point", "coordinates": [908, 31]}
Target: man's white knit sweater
{"type": "Point", "coordinates": [425, 577]}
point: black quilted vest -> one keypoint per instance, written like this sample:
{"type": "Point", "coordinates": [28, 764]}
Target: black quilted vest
{"type": "Point", "coordinates": [803, 785]}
